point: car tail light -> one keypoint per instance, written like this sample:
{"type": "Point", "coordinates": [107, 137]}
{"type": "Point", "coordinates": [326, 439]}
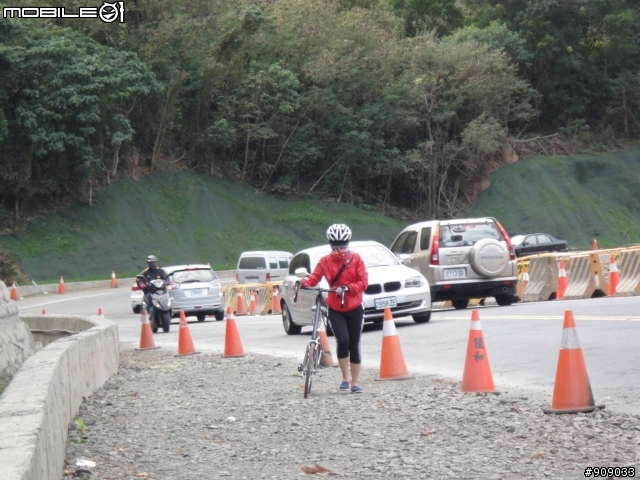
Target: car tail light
{"type": "Point", "coordinates": [435, 246]}
{"type": "Point", "coordinates": [268, 277]}
{"type": "Point", "coordinates": [135, 288]}
{"type": "Point", "coordinates": [505, 235]}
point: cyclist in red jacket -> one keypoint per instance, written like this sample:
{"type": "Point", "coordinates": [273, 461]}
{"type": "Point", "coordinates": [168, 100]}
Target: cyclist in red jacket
{"type": "Point", "coordinates": [345, 271]}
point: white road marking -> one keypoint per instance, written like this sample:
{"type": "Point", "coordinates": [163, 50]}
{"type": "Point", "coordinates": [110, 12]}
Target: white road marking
{"type": "Point", "coordinates": [543, 317]}
{"type": "Point", "coordinates": [65, 300]}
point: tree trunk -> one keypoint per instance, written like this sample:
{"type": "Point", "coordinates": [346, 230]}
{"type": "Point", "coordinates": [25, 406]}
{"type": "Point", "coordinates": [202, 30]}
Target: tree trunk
{"type": "Point", "coordinates": [344, 181]}
{"type": "Point", "coordinates": [322, 176]}
{"type": "Point", "coordinates": [624, 108]}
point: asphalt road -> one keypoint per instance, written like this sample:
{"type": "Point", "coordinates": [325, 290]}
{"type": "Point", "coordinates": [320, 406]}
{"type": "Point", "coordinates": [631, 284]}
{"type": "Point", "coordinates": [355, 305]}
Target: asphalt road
{"type": "Point", "coordinates": [522, 340]}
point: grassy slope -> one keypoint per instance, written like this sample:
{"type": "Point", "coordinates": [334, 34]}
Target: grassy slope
{"type": "Point", "coordinates": [180, 217]}
{"type": "Point", "coordinates": [573, 197]}
{"type": "Point", "coordinates": [185, 217]}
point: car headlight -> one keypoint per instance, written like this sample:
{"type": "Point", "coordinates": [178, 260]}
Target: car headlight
{"type": "Point", "coordinates": [415, 282]}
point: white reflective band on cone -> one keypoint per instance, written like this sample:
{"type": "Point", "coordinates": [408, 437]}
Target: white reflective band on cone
{"type": "Point", "coordinates": [525, 276]}
{"type": "Point", "coordinates": [388, 328]}
{"type": "Point", "coordinates": [570, 339]}
{"type": "Point", "coordinates": [475, 325]}
{"type": "Point", "coordinates": [614, 267]}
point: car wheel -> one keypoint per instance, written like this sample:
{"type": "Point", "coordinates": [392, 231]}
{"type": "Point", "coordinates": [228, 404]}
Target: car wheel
{"type": "Point", "coordinates": [460, 304]}
{"type": "Point", "coordinates": [219, 315]}
{"type": "Point", "coordinates": [289, 327]}
{"type": "Point", "coordinates": [505, 300]}
{"type": "Point", "coordinates": [422, 317]}
{"type": "Point", "coordinates": [201, 316]}
{"type": "Point", "coordinates": [136, 309]}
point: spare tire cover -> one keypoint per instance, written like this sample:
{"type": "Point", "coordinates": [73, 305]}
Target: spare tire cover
{"type": "Point", "coordinates": [489, 258]}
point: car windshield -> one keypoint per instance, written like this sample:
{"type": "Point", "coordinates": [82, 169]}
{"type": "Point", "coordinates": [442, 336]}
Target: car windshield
{"type": "Point", "coordinates": [192, 276]}
{"type": "Point", "coordinates": [467, 233]}
{"type": "Point", "coordinates": [372, 255]}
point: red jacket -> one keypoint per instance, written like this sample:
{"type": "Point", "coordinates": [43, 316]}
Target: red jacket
{"type": "Point", "coordinates": [354, 276]}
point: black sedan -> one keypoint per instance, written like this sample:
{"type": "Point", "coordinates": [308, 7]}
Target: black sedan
{"type": "Point", "coordinates": [537, 243]}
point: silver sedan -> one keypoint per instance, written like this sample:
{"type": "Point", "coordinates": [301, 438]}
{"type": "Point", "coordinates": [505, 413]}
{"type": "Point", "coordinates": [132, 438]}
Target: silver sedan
{"type": "Point", "coordinates": [404, 290]}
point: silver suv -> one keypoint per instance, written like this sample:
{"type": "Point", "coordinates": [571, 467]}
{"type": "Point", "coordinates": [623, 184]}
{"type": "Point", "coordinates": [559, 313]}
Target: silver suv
{"type": "Point", "coordinates": [461, 259]}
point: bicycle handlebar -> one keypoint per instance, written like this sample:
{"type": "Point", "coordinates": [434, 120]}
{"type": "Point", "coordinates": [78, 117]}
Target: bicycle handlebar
{"type": "Point", "coordinates": [299, 286]}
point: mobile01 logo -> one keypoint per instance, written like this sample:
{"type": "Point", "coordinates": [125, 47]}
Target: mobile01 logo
{"type": "Point", "coordinates": [107, 12]}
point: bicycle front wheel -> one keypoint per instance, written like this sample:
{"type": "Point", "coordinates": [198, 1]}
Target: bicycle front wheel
{"type": "Point", "coordinates": [308, 374]}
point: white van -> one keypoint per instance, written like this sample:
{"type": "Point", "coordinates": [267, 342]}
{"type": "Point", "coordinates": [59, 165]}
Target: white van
{"type": "Point", "coordinates": [263, 266]}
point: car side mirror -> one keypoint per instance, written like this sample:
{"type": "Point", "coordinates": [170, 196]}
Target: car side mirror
{"type": "Point", "coordinates": [404, 257]}
{"type": "Point", "coordinates": [525, 243]}
{"type": "Point", "coordinates": [301, 272]}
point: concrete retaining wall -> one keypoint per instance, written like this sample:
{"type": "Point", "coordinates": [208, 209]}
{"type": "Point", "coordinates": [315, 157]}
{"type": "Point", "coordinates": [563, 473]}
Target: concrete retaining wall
{"type": "Point", "coordinates": [16, 343]}
{"type": "Point", "coordinates": [46, 393]}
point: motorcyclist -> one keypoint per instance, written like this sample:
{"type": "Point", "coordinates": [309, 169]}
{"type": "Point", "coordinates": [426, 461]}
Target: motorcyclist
{"type": "Point", "coordinates": [152, 272]}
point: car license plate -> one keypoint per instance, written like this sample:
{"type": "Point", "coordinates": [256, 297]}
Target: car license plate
{"type": "Point", "coordinates": [382, 303]}
{"type": "Point", "coordinates": [197, 293]}
{"type": "Point", "coordinates": [454, 273]}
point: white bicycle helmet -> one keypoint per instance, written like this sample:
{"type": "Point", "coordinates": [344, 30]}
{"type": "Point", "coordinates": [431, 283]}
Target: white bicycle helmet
{"type": "Point", "coordinates": [338, 234]}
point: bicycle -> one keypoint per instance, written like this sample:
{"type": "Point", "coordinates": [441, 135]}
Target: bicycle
{"type": "Point", "coordinates": [312, 355]}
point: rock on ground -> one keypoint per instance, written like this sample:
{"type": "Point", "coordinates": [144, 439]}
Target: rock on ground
{"type": "Point", "coordinates": [207, 417]}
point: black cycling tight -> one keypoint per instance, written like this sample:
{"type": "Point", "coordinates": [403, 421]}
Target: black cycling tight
{"type": "Point", "coordinates": [347, 328]}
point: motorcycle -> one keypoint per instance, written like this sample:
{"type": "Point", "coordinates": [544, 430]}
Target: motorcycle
{"type": "Point", "coordinates": [160, 310]}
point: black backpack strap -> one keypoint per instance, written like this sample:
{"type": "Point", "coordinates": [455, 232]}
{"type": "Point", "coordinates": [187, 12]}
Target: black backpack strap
{"type": "Point", "coordinates": [335, 279]}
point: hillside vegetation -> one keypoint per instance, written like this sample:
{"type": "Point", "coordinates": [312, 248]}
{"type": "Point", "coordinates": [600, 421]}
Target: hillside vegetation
{"type": "Point", "coordinates": [400, 103]}
{"type": "Point", "coordinates": [181, 217]}
{"type": "Point", "coordinates": [578, 198]}
{"type": "Point", "coordinates": [189, 217]}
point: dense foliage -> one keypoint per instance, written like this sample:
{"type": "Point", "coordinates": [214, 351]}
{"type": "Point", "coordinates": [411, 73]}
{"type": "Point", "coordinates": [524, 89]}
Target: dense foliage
{"type": "Point", "coordinates": [392, 103]}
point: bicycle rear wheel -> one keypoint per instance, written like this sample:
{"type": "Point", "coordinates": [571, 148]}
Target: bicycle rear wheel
{"type": "Point", "coordinates": [308, 374]}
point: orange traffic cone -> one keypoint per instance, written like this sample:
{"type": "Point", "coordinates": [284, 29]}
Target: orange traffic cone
{"type": "Point", "coordinates": [114, 282]}
{"type": "Point", "coordinates": [146, 335]}
{"type": "Point", "coordinates": [100, 312]}
{"type": "Point", "coordinates": [232, 343]}
{"type": "Point", "coordinates": [240, 308]}
{"type": "Point", "coordinates": [14, 292]}
{"type": "Point", "coordinates": [614, 276]}
{"type": "Point", "coordinates": [594, 244]}
{"type": "Point", "coordinates": [61, 287]}
{"type": "Point", "coordinates": [572, 390]}
{"type": "Point", "coordinates": [44, 312]}
{"type": "Point", "coordinates": [563, 281]}
{"type": "Point", "coordinates": [252, 303]}
{"type": "Point", "coordinates": [326, 360]}
{"type": "Point", "coordinates": [275, 307]}
{"type": "Point", "coordinates": [477, 372]}
{"type": "Point", "coordinates": [525, 278]}
{"type": "Point", "coordinates": [392, 366]}
{"type": "Point", "coordinates": [185, 343]}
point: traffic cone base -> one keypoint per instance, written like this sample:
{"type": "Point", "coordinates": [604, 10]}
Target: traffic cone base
{"type": "Point", "coordinates": [392, 364]}
{"type": "Point", "coordinates": [572, 390]}
{"type": "Point", "coordinates": [185, 343]}
{"type": "Point", "coordinates": [146, 335]}
{"type": "Point", "coordinates": [232, 343]}
{"type": "Point", "coordinates": [477, 376]}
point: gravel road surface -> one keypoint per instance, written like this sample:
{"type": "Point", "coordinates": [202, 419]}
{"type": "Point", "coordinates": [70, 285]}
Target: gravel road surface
{"type": "Point", "coordinates": [206, 417]}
